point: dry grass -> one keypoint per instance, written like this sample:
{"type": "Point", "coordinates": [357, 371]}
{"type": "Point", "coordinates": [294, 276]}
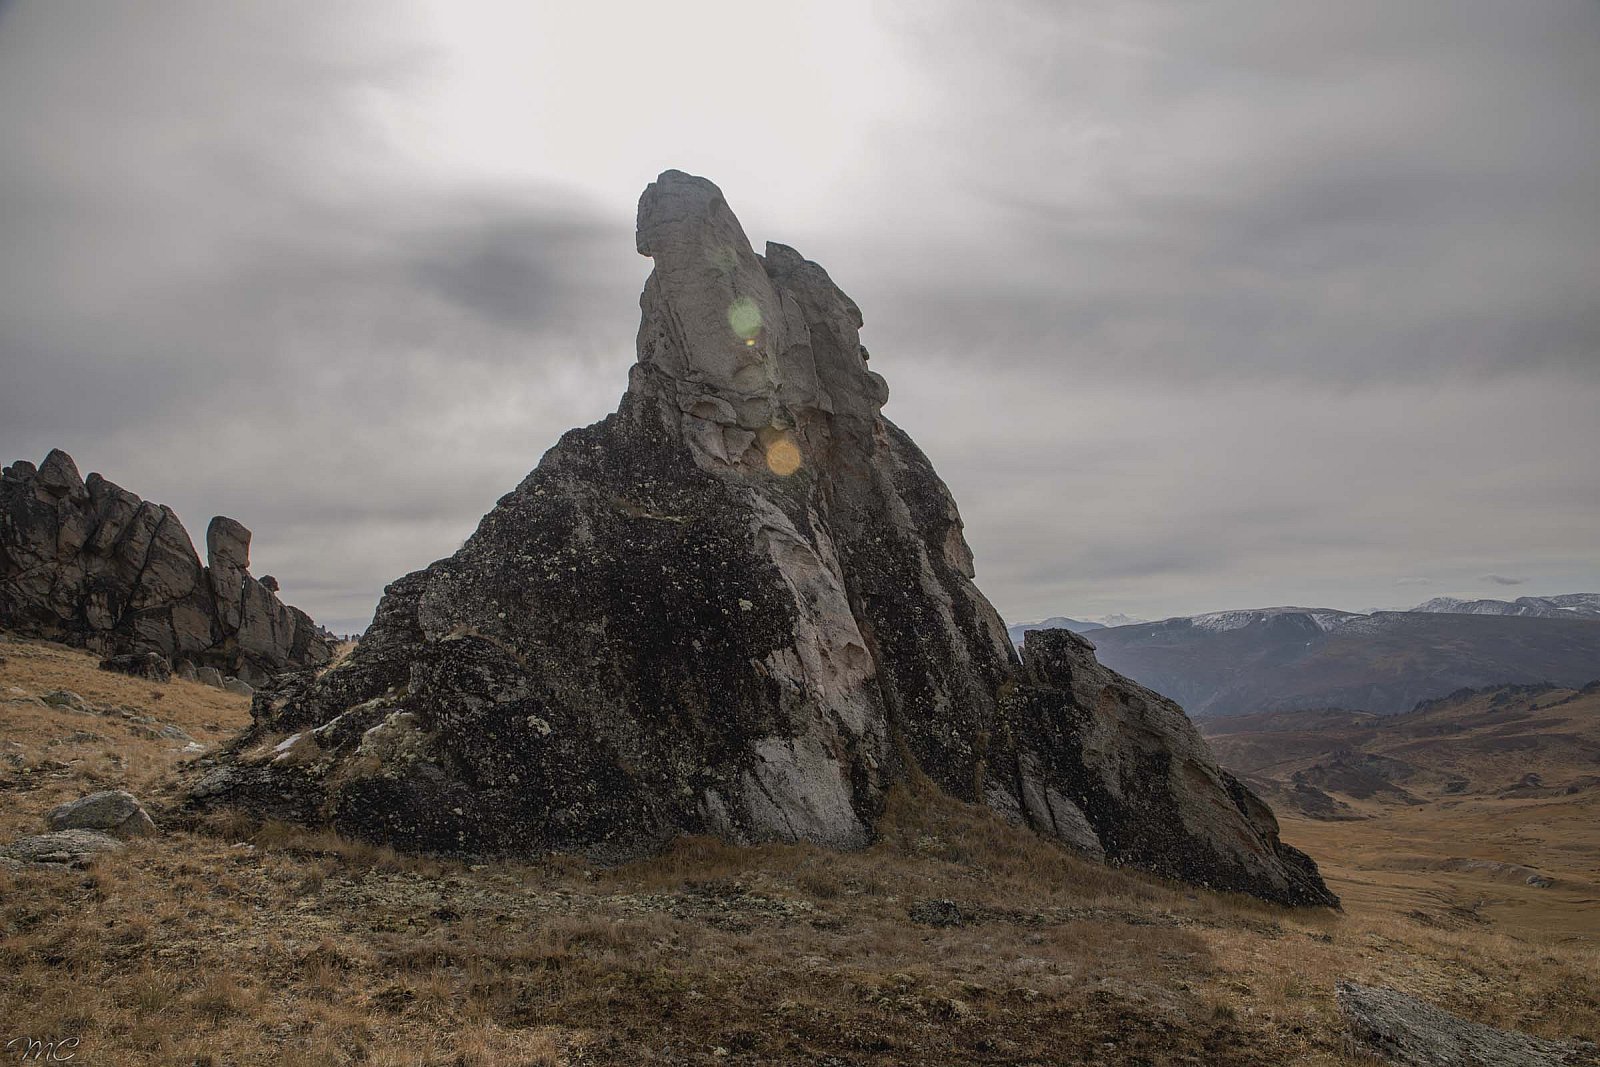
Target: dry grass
{"type": "Point", "coordinates": [233, 943]}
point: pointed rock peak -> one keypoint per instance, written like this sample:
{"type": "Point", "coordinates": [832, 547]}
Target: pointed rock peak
{"type": "Point", "coordinates": [740, 606]}
{"type": "Point", "coordinates": [738, 343]}
{"type": "Point", "coordinates": [59, 475]}
{"type": "Point", "coordinates": [228, 543]}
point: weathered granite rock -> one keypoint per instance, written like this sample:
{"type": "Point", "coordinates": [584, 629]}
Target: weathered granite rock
{"type": "Point", "coordinates": [112, 811]}
{"type": "Point", "coordinates": [60, 846]}
{"type": "Point", "coordinates": [65, 698]}
{"type": "Point", "coordinates": [88, 563]}
{"type": "Point", "coordinates": [149, 665]}
{"type": "Point", "coordinates": [1412, 1032]}
{"type": "Point", "coordinates": [740, 605]}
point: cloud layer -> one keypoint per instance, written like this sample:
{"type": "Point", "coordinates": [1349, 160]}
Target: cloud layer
{"type": "Point", "coordinates": [1195, 306]}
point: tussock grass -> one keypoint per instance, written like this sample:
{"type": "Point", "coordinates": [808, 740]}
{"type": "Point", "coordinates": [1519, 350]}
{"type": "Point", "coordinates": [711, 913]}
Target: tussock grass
{"type": "Point", "coordinates": [227, 941]}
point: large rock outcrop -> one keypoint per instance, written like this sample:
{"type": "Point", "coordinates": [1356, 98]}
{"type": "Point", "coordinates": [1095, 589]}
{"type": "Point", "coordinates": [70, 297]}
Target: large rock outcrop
{"type": "Point", "coordinates": [740, 605]}
{"type": "Point", "coordinates": [88, 563]}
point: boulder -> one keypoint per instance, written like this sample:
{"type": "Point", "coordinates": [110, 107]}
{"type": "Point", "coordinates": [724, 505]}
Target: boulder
{"type": "Point", "coordinates": [65, 698]}
{"type": "Point", "coordinates": [209, 676]}
{"type": "Point", "coordinates": [87, 563]}
{"type": "Point", "coordinates": [61, 846]}
{"type": "Point", "coordinates": [111, 811]}
{"type": "Point", "coordinates": [234, 685]}
{"type": "Point", "coordinates": [1405, 1030]}
{"type": "Point", "coordinates": [148, 665]}
{"type": "Point", "coordinates": [741, 605]}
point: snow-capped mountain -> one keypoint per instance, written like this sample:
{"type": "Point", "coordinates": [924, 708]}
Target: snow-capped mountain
{"type": "Point", "coordinates": [1565, 606]}
{"type": "Point", "coordinates": [1286, 658]}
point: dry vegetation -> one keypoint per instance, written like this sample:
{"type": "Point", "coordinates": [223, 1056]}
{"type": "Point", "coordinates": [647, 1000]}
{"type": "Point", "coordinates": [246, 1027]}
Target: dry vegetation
{"type": "Point", "coordinates": [231, 943]}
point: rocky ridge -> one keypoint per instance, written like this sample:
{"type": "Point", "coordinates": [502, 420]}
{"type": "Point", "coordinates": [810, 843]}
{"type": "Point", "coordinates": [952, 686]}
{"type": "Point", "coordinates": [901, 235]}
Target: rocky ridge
{"type": "Point", "coordinates": [89, 564]}
{"type": "Point", "coordinates": [741, 605]}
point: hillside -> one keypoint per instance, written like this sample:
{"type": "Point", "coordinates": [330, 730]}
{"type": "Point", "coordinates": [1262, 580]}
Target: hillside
{"type": "Point", "coordinates": [1481, 808]}
{"type": "Point", "coordinates": [1275, 659]}
{"type": "Point", "coordinates": [954, 939]}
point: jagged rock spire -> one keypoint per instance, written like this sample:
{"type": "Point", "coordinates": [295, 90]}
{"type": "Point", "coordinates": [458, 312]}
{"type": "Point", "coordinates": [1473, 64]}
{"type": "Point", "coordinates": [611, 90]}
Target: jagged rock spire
{"type": "Point", "coordinates": [740, 605]}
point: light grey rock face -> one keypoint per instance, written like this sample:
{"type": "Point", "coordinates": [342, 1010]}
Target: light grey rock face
{"type": "Point", "coordinates": [111, 811]}
{"type": "Point", "coordinates": [740, 605]}
{"type": "Point", "coordinates": [88, 563]}
{"type": "Point", "coordinates": [1414, 1033]}
{"type": "Point", "coordinates": [227, 564]}
{"type": "Point", "coordinates": [60, 846]}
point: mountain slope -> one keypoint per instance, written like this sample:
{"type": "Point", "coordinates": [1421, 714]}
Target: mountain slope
{"type": "Point", "coordinates": [1477, 810]}
{"type": "Point", "coordinates": [1565, 606]}
{"type": "Point", "coordinates": [1058, 622]}
{"type": "Point", "coordinates": [1231, 663]}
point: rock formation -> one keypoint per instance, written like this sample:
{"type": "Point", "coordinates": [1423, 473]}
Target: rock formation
{"type": "Point", "coordinates": [740, 605]}
{"type": "Point", "coordinates": [1411, 1032]}
{"type": "Point", "coordinates": [88, 563]}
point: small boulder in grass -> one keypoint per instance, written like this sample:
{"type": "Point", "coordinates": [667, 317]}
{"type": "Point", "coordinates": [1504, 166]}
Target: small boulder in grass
{"type": "Point", "coordinates": [73, 847]}
{"type": "Point", "coordinates": [150, 665]}
{"type": "Point", "coordinates": [65, 698]}
{"type": "Point", "coordinates": [112, 811]}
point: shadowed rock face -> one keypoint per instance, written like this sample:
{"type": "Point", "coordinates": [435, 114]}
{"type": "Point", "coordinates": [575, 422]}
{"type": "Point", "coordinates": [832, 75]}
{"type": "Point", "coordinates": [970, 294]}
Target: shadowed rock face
{"type": "Point", "coordinates": [740, 605]}
{"type": "Point", "coordinates": [90, 564]}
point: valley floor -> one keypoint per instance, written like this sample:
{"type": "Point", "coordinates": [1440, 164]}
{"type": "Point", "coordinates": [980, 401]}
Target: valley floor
{"type": "Point", "coordinates": [954, 940]}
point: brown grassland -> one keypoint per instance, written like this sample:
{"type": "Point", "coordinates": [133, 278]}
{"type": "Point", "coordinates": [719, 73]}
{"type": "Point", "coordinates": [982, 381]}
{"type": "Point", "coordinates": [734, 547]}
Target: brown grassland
{"type": "Point", "coordinates": [227, 942]}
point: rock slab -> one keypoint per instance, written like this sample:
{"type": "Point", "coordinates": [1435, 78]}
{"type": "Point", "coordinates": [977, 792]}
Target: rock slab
{"type": "Point", "coordinates": [112, 811]}
{"type": "Point", "coordinates": [1414, 1033]}
{"type": "Point", "coordinates": [88, 563]}
{"type": "Point", "coordinates": [741, 605]}
{"type": "Point", "coordinates": [60, 846]}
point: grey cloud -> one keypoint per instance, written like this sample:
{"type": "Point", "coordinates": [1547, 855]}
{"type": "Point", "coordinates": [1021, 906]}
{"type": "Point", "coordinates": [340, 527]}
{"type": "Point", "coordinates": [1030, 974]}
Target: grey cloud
{"type": "Point", "coordinates": [1194, 306]}
{"type": "Point", "coordinates": [1216, 191]}
{"type": "Point", "coordinates": [1500, 579]}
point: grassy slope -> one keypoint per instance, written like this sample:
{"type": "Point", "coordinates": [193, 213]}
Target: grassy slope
{"type": "Point", "coordinates": [231, 943]}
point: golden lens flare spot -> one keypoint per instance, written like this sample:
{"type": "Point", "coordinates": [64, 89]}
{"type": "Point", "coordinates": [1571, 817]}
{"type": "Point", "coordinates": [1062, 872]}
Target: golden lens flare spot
{"type": "Point", "coordinates": [783, 456]}
{"type": "Point", "coordinates": [750, 342]}
{"type": "Point", "coordinates": [744, 318]}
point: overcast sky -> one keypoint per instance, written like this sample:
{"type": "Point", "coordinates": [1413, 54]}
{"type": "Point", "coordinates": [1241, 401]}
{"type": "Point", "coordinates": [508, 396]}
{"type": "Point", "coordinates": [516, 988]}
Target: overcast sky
{"type": "Point", "coordinates": [1195, 304]}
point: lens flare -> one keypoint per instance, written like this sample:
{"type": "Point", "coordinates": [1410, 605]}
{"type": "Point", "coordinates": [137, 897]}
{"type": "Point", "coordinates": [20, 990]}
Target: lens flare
{"type": "Point", "coordinates": [744, 317]}
{"type": "Point", "coordinates": [783, 456]}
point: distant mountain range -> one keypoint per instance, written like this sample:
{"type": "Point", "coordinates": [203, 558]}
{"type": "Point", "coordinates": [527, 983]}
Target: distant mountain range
{"type": "Point", "coordinates": [1566, 606]}
{"type": "Point", "coordinates": [1288, 658]}
{"type": "Point", "coordinates": [1077, 626]}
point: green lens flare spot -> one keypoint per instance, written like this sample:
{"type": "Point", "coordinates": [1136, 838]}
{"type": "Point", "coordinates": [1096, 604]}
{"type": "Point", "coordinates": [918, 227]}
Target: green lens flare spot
{"type": "Point", "coordinates": [745, 319]}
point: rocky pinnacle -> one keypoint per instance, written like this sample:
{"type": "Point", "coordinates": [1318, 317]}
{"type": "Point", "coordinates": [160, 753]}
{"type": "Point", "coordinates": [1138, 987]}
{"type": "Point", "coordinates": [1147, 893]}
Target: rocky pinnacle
{"type": "Point", "coordinates": [740, 605]}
